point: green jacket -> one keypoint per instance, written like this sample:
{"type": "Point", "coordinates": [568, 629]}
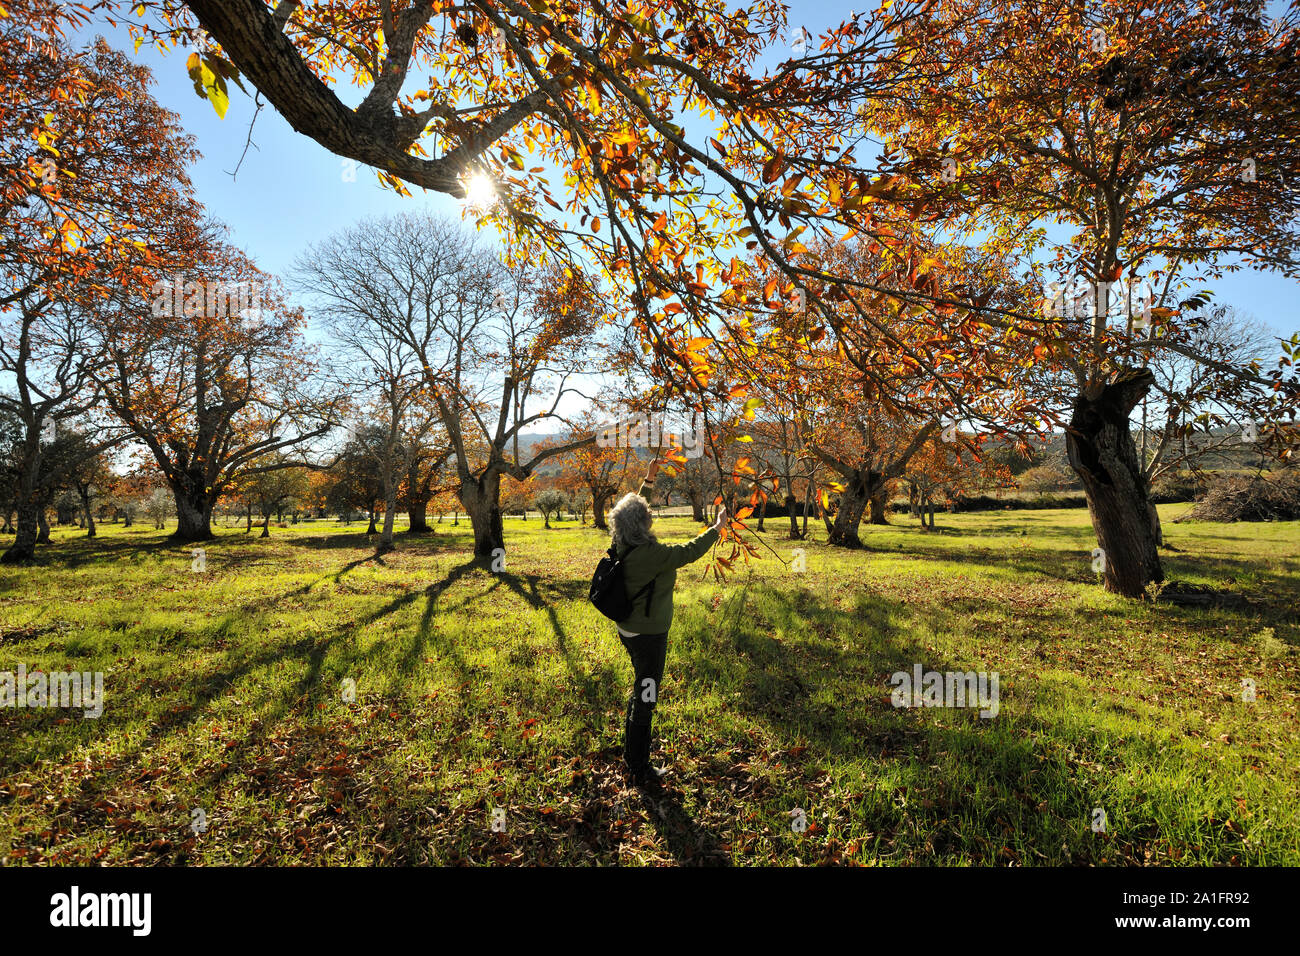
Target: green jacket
{"type": "Point", "coordinates": [659, 562]}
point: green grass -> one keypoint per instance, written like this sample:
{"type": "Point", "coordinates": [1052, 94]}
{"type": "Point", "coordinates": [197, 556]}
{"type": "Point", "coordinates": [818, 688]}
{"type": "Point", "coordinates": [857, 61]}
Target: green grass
{"type": "Point", "coordinates": [478, 691]}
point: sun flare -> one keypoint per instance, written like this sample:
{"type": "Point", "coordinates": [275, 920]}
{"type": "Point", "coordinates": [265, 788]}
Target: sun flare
{"type": "Point", "coordinates": [480, 192]}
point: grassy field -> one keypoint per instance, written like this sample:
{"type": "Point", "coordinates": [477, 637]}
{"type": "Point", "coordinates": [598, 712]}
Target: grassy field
{"type": "Point", "coordinates": [479, 691]}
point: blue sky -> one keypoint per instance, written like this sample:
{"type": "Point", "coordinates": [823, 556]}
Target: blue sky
{"type": "Point", "coordinates": [290, 191]}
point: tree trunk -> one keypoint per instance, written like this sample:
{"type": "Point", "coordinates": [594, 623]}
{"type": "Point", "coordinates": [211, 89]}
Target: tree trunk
{"type": "Point", "coordinates": [697, 509]}
{"type": "Point", "coordinates": [878, 490]}
{"type": "Point", "coordinates": [1104, 456]}
{"type": "Point", "coordinates": [481, 500]}
{"type": "Point", "coordinates": [371, 528]}
{"type": "Point", "coordinates": [762, 512]}
{"type": "Point", "coordinates": [9, 522]}
{"type": "Point", "coordinates": [415, 513]}
{"type": "Point", "coordinates": [42, 525]}
{"type": "Point", "coordinates": [598, 511]}
{"type": "Point", "coordinates": [193, 515]}
{"type": "Point", "coordinates": [24, 546]}
{"type": "Point", "coordinates": [266, 525]}
{"type": "Point", "coordinates": [790, 502]}
{"type": "Point", "coordinates": [90, 517]}
{"type": "Point", "coordinates": [1157, 531]}
{"type": "Point", "coordinates": [390, 515]}
{"type": "Point", "coordinates": [853, 502]}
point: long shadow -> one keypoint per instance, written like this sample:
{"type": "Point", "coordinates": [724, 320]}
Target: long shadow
{"type": "Point", "coordinates": [1065, 567]}
{"type": "Point", "coordinates": [415, 544]}
{"type": "Point", "coordinates": [688, 842]}
{"type": "Point", "coordinates": [779, 691]}
{"type": "Point", "coordinates": [416, 652]}
{"type": "Point", "coordinates": [82, 551]}
{"type": "Point", "coordinates": [595, 690]}
{"type": "Point", "coordinates": [200, 689]}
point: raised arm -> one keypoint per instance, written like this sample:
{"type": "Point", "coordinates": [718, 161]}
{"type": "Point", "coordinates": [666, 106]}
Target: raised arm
{"type": "Point", "coordinates": [679, 555]}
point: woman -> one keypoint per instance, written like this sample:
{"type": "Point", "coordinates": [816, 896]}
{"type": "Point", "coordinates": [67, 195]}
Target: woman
{"type": "Point", "coordinates": [649, 572]}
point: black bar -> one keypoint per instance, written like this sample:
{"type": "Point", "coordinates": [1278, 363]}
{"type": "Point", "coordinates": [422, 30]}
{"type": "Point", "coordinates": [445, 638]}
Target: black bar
{"type": "Point", "coordinates": [362, 906]}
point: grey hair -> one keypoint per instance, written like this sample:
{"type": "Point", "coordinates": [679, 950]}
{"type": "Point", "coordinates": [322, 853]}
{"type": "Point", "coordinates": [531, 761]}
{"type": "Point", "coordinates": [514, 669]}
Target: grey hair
{"type": "Point", "coordinates": [630, 523]}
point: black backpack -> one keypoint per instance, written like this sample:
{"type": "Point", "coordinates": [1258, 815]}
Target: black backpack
{"type": "Point", "coordinates": [609, 592]}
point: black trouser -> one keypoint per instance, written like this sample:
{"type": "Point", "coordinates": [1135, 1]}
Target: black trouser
{"type": "Point", "coordinates": [648, 652]}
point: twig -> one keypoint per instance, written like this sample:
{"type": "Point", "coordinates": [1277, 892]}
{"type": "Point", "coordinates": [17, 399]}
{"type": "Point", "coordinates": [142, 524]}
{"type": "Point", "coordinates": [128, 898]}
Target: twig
{"type": "Point", "coordinates": [257, 101]}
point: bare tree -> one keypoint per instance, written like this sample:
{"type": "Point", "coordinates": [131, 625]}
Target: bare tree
{"type": "Point", "coordinates": [383, 374]}
{"type": "Point", "coordinates": [499, 348]}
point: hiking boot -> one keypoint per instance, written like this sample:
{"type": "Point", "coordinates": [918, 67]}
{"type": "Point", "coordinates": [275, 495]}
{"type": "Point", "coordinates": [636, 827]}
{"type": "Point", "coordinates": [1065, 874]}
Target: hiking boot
{"type": "Point", "coordinates": [636, 752]}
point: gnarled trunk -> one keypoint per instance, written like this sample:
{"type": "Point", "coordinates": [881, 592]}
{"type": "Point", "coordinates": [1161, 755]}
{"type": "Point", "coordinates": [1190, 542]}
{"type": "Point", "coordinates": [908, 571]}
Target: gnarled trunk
{"type": "Point", "coordinates": [193, 515]}
{"type": "Point", "coordinates": [853, 502]}
{"type": "Point", "coordinates": [417, 522]}
{"type": "Point", "coordinates": [42, 526]}
{"type": "Point", "coordinates": [1104, 456]}
{"type": "Point", "coordinates": [598, 511]}
{"type": "Point", "coordinates": [876, 502]}
{"type": "Point", "coordinates": [481, 499]}
{"type": "Point", "coordinates": [24, 546]}
{"type": "Point", "coordinates": [790, 502]}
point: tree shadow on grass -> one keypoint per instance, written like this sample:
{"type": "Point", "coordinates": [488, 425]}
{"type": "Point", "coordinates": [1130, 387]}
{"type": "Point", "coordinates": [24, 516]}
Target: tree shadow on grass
{"type": "Point", "coordinates": [1066, 567]}
{"type": "Point", "coordinates": [690, 843]}
{"type": "Point", "coordinates": [546, 595]}
{"type": "Point", "coordinates": [426, 544]}
{"type": "Point", "coordinates": [804, 642]}
{"type": "Point", "coordinates": [1016, 787]}
{"type": "Point", "coordinates": [78, 552]}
